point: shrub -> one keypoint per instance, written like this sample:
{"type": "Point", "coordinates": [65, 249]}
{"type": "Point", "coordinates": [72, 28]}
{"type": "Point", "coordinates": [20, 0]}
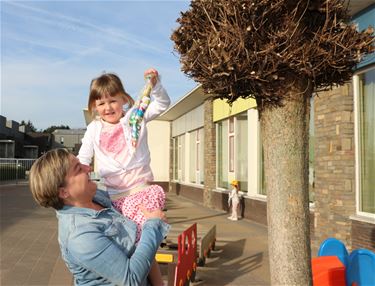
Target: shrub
{"type": "Point", "coordinates": [12, 172]}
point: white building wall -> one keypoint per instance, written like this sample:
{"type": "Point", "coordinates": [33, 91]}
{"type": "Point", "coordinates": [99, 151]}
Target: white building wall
{"type": "Point", "coordinates": [253, 153]}
{"type": "Point", "coordinates": [158, 142]}
{"type": "Point", "coordinates": [192, 120]}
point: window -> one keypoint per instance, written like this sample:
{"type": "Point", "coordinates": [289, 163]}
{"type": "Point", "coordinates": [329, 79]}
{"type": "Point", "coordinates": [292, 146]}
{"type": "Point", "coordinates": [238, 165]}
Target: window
{"type": "Point", "coordinates": [178, 158]}
{"type": "Point", "coordinates": [200, 156]}
{"type": "Point", "coordinates": [197, 149]}
{"type": "Point", "coordinates": [364, 86]}
{"type": "Point", "coordinates": [7, 149]}
{"type": "Point", "coordinates": [222, 154]}
{"type": "Point", "coordinates": [232, 149]}
{"type": "Point", "coordinates": [192, 156]}
{"type": "Point", "coordinates": [241, 165]}
{"type": "Point", "coordinates": [231, 153]}
{"type": "Point", "coordinates": [231, 144]}
{"type": "Point", "coordinates": [175, 158]}
{"type": "Point", "coordinates": [196, 168]}
{"type": "Point", "coordinates": [311, 152]}
{"type": "Point", "coordinates": [261, 179]}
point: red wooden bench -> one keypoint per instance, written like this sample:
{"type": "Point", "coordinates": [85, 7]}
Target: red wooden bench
{"type": "Point", "coordinates": [182, 265]}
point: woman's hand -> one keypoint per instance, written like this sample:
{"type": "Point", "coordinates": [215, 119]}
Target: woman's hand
{"type": "Point", "coordinates": [152, 75]}
{"type": "Point", "coordinates": [158, 213]}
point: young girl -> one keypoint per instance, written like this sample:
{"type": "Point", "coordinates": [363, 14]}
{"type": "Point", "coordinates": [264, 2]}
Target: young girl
{"type": "Point", "coordinates": [234, 197]}
{"type": "Point", "coordinates": [119, 140]}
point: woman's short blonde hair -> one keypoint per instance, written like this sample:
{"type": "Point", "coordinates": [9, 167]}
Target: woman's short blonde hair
{"type": "Point", "coordinates": [47, 175]}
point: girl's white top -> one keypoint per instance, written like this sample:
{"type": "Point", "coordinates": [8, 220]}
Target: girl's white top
{"type": "Point", "coordinates": [108, 166]}
{"type": "Point", "coordinates": [234, 196]}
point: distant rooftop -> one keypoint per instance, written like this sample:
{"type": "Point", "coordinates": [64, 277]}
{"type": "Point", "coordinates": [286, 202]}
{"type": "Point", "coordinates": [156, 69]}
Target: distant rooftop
{"type": "Point", "coordinates": [69, 131]}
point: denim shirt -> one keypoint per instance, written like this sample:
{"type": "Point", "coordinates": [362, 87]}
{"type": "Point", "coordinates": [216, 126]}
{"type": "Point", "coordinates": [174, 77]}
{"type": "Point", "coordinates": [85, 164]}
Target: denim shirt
{"type": "Point", "coordinates": [99, 246]}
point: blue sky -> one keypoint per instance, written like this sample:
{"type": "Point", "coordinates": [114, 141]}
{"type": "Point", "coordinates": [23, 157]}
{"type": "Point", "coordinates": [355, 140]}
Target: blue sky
{"type": "Point", "coordinates": [50, 51]}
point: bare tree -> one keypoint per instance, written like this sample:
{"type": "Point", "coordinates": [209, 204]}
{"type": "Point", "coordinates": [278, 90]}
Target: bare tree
{"type": "Point", "coordinates": [278, 52]}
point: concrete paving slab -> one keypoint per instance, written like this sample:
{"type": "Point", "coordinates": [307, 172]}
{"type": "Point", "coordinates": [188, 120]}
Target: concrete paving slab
{"type": "Point", "coordinates": [28, 240]}
{"type": "Point", "coordinates": [241, 251]}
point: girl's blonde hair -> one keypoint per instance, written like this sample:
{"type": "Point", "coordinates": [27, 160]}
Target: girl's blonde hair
{"type": "Point", "coordinates": [107, 84]}
{"type": "Point", "coordinates": [47, 175]}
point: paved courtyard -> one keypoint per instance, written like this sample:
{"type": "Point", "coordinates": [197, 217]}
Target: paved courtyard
{"type": "Point", "coordinates": [30, 253]}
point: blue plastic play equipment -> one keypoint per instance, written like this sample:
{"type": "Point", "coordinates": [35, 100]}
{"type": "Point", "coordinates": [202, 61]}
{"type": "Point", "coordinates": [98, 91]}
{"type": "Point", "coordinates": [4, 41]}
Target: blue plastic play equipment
{"type": "Point", "coordinates": [334, 247]}
{"type": "Point", "coordinates": [361, 268]}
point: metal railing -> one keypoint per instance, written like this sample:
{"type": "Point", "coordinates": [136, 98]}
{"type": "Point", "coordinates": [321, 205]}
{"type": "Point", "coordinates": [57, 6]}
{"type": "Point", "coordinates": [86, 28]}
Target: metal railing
{"type": "Point", "coordinates": [15, 170]}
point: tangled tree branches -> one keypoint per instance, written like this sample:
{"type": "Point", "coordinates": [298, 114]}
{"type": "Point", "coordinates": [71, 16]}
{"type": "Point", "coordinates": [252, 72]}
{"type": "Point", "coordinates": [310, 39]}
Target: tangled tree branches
{"type": "Point", "coordinates": [254, 48]}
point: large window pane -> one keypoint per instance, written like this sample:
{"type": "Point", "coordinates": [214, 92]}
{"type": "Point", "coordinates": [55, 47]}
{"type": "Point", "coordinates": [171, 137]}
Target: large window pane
{"type": "Point", "coordinates": [311, 152]}
{"type": "Point", "coordinates": [222, 154]}
{"type": "Point", "coordinates": [262, 178]}
{"type": "Point", "coordinates": [180, 158]}
{"type": "Point", "coordinates": [231, 153]}
{"type": "Point", "coordinates": [192, 157]}
{"type": "Point", "coordinates": [241, 151]}
{"type": "Point", "coordinates": [201, 155]}
{"type": "Point", "coordinates": [367, 141]}
{"type": "Point", "coordinates": [175, 158]}
{"type": "Point", "coordinates": [196, 157]}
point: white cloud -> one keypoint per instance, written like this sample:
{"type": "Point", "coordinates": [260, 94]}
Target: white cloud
{"type": "Point", "coordinates": [64, 22]}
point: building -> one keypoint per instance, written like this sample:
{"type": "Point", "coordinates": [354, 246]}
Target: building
{"type": "Point", "coordinates": [68, 138]}
{"type": "Point", "coordinates": [14, 140]}
{"type": "Point", "coordinates": [212, 143]}
{"type": "Point", "coordinates": [345, 155]}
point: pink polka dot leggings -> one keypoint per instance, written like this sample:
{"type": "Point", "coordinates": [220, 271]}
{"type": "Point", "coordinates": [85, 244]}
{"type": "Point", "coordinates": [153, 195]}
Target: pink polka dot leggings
{"type": "Point", "coordinates": [152, 198]}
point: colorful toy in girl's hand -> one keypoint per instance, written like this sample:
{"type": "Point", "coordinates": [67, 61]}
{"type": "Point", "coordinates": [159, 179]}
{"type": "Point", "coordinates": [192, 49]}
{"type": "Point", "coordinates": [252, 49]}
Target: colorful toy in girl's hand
{"type": "Point", "coordinates": [136, 117]}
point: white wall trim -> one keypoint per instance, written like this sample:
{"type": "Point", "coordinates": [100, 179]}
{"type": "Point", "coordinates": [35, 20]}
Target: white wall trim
{"type": "Point", "coordinates": [356, 95]}
{"type": "Point", "coordinates": [356, 139]}
{"type": "Point", "coordinates": [253, 153]}
{"type": "Point", "coordinates": [363, 218]}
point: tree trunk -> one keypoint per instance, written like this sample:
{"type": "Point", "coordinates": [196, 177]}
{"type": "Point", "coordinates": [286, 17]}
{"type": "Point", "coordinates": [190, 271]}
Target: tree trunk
{"type": "Point", "coordinates": [285, 133]}
{"type": "Point", "coordinates": [209, 153]}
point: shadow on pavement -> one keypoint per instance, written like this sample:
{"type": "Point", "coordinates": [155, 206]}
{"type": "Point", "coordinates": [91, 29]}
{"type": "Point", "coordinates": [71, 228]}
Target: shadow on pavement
{"type": "Point", "coordinates": [228, 260]}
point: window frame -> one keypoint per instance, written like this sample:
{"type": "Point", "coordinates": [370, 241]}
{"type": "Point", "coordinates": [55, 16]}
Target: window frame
{"type": "Point", "coordinates": [357, 153]}
{"type": "Point", "coordinates": [178, 160]}
{"type": "Point", "coordinates": [174, 159]}
{"type": "Point", "coordinates": [231, 144]}
{"type": "Point", "coordinates": [197, 149]}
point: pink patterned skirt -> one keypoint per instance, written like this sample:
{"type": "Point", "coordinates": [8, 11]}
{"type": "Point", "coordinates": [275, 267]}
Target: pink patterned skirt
{"type": "Point", "coordinates": [152, 198]}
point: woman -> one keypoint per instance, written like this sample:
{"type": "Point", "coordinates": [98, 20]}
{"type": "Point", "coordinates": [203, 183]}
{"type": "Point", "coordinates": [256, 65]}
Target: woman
{"type": "Point", "coordinates": [96, 242]}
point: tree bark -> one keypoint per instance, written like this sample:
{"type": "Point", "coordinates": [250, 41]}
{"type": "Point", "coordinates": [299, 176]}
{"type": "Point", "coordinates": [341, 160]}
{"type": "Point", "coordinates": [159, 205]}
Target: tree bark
{"type": "Point", "coordinates": [209, 153]}
{"type": "Point", "coordinates": [285, 133]}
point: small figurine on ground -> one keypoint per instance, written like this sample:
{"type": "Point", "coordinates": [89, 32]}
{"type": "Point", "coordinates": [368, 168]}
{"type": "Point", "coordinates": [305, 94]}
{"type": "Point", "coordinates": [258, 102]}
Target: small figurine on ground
{"type": "Point", "coordinates": [234, 200]}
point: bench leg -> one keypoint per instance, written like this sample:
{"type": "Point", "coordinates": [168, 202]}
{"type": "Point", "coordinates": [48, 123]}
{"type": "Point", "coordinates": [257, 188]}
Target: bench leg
{"type": "Point", "coordinates": [171, 273]}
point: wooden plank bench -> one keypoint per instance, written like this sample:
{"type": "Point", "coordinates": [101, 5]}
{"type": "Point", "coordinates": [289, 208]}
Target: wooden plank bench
{"type": "Point", "coordinates": [207, 243]}
{"type": "Point", "coordinates": [182, 265]}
